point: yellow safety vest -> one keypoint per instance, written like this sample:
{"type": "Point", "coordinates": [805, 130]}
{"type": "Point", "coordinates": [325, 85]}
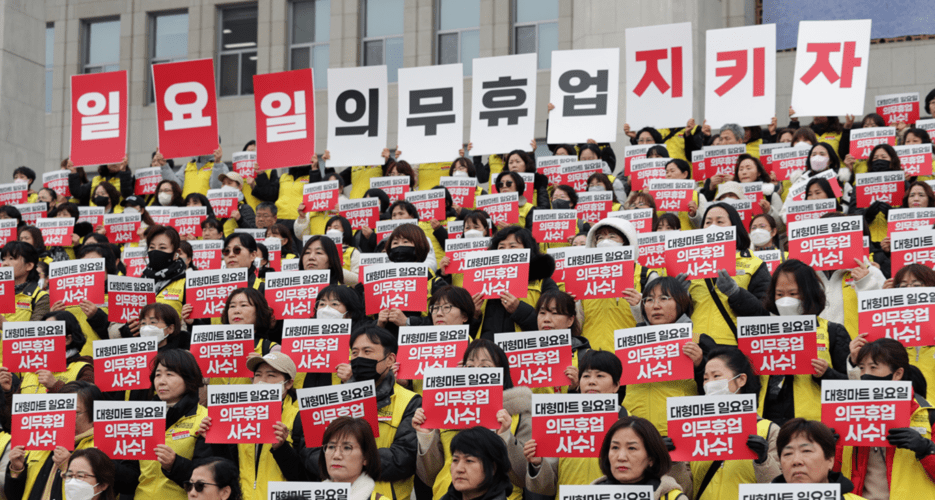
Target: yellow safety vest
{"type": "Point", "coordinates": [35, 459]}
{"type": "Point", "coordinates": [730, 474]}
{"type": "Point", "coordinates": [96, 181]}
{"type": "Point", "coordinates": [257, 348]}
{"type": "Point", "coordinates": [753, 148]}
{"type": "Point", "coordinates": [254, 475]}
{"type": "Point", "coordinates": [676, 144]}
{"type": "Point", "coordinates": [523, 212]}
{"type": "Point", "coordinates": [25, 301]}
{"type": "Point", "coordinates": [360, 178]}
{"type": "Point", "coordinates": [430, 174]}
{"type": "Point", "coordinates": [390, 418]}
{"type": "Point", "coordinates": [649, 400]}
{"type": "Point", "coordinates": [31, 385]}
{"type": "Point", "coordinates": [707, 318]}
{"type": "Point", "coordinates": [5, 439]}
{"type": "Point", "coordinates": [603, 316]}
{"type": "Point", "coordinates": [180, 436]}
{"type": "Point", "coordinates": [173, 295]}
{"type": "Point", "coordinates": [438, 246]}
{"type": "Point", "coordinates": [806, 392]}
{"type": "Point", "coordinates": [443, 479]}
{"type": "Point", "coordinates": [89, 333]}
{"type": "Point", "coordinates": [290, 196]}
{"type": "Point", "coordinates": [197, 180]}
{"type": "Point", "coordinates": [346, 258]}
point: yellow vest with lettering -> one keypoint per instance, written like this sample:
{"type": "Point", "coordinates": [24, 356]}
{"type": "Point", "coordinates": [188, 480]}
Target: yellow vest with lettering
{"type": "Point", "coordinates": [390, 418]}
{"type": "Point", "coordinates": [180, 436]}
{"type": "Point", "coordinates": [603, 316]}
{"type": "Point", "coordinates": [24, 303]}
{"type": "Point", "coordinates": [173, 295]}
{"type": "Point", "coordinates": [35, 459]}
{"type": "Point", "coordinates": [255, 476]}
{"type": "Point", "coordinates": [730, 475]}
{"type": "Point", "coordinates": [707, 318]}
{"type": "Point", "coordinates": [31, 385]}
{"type": "Point", "coordinates": [197, 180]}
{"type": "Point", "coordinates": [806, 392]}
{"type": "Point", "coordinates": [290, 196]}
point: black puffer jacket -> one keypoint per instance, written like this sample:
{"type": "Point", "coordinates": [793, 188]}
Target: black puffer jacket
{"type": "Point", "coordinates": [497, 320]}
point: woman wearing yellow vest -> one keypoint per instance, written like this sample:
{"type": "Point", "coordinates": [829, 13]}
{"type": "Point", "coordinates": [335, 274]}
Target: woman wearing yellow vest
{"type": "Point", "coordinates": [598, 372]}
{"type": "Point", "coordinates": [795, 290]}
{"type": "Point", "coordinates": [806, 456]}
{"type": "Point", "coordinates": [679, 169]}
{"type": "Point", "coordinates": [365, 239]}
{"type": "Point", "coordinates": [32, 303]}
{"type": "Point", "coordinates": [462, 167]}
{"type": "Point", "coordinates": [78, 367]}
{"type": "Point", "coordinates": [907, 468]}
{"type": "Point", "coordinates": [918, 195]}
{"type": "Point", "coordinates": [91, 317]}
{"type": "Point", "coordinates": [512, 182]}
{"type": "Point", "coordinates": [165, 266]}
{"type": "Point", "coordinates": [350, 255]}
{"type": "Point", "coordinates": [433, 462]}
{"type": "Point", "coordinates": [350, 456]}
{"type": "Point", "coordinates": [522, 162]}
{"type": "Point", "coordinates": [280, 461]}
{"type": "Point", "coordinates": [479, 466]}
{"type": "Point", "coordinates": [475, 226]}
{"type": "Point", "coordinates": [248, 307]}
{"type": "Point", "coordinates": [243, 216]}
{"type": "Point", "coordinates": [90, 473]}
{"type": "Point", "coordinates": [679, 141]}
{"type": "Point", "coordinates": [871, 120]}
{"type": "Point", "coordinates": [117, 175]}
{"type": "Point", "coordinates": [883, 158]}
{"type": "Point", "coordinates": [509, 313]}
{"type": "Point", "coordinates": [633, 453]}
{"type": "Point", "coordinates": [312, 223]}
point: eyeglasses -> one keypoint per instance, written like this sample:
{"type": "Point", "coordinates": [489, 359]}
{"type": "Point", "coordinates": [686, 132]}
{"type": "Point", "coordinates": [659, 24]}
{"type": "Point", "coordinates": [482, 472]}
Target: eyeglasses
{"type": "Point", "coordinates": [663, 299]}
{"type": "Point", "coordinates": [505, 184]}
{"type": "Point", "coordinates": [198, 485]}
{"type": "Point", "coordinates": [331, 448]}
{"type": "Point", "coordinates": [236, 250]}
{"type": "Point", "coordinates": [81, 476]}
{"type": "Point", "coordinates": [444, 309]}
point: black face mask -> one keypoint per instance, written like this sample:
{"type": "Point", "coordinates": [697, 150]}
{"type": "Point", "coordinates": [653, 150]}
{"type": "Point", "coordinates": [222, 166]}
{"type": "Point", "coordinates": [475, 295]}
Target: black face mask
{"type": "Point", "coordinates": [365, 369]}
{"type": "Point", "coordinates": [561, 204]}
{"type": "Point", "coordinates": [159, 260]}
{"type": "Point", "coordinates": [879, 165]}
{"type": "Point", "coordinates": [404, 253]}
{"type": "Point", "coordinates": [101, 201]}
{"type": "Point", "coordinates": [876, 378]}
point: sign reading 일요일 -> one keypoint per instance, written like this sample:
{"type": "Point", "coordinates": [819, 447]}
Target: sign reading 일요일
{"type": "Point", "coordinates": [124, 364]}
{"type": "Point", "coordinates": [915, 159]}
{"type": "Point", "coordinates": [306, 490]}
{"type": "Point", "coordinates": [864, 411]}
{"type": "Point", "coordinates": [898, 108]}
{"type": "Point", "coordinates": [457, 249]}
{"type": "Point", "coordinates": [554, 226]}
{"type": "Point", "coordinates": [572, 425]}
{"type": "Point", "coordinates": [361, 213]}
{"type": "Point", "coordinates": [56, 232]}
{"type": "Point", "coordinates": [672, 195]}
{"type": "Point", "coordinates": [492, 272]}
{"type": "Point", "coordinates": [207, 291]}
{"type": "Point", "coordinates": [221, 350]}
{"type": "Point", "coordinates": [396, 286]}
{"type": "Point", "coordinates": [460, 398]}
{"type": "Point", "coordinates": [244, 413]}
{"type": "Point", "coordinates": [912, 247]}
{"type": "Point", "coordinates": [817, 491]}
{"type": "Point", "coordinates": [827, 244]}
{"type": "Point", "coordinates": [502, 208]}
{"type": "Point", "coordinates": [654, 353]}
{"type": "Point", "coordinates": [903, 314]}
{"type": "Point", "coordinates": [123, 228]}
{"type": "Point", "coordinates": [593, 206]}
{"type": "Point", "coordinates": [34, 345]}
{"type": "Point", "coordinates": [320, 196]}
{"type": "Point", "coordinates": [779, 345]}
{"type": "Point", "coordinates": [705, 428]}
{"type": "Point", "coordinates": [44, 421]}
{"type": "Point", "coordinates": [129, 430]}
{"type": "Point", "coordinates": [887, 187]}
{"type": "Point", "coordinates": [599, 273]}
{"type": "Point", "coordinates": [641, 218]}
{"type": "Point", "coordinates": [319, 406]}
{"type": "Point", "coordinates": [207, 254]}
{"type": "Point", "coordinates": [424, 347]}
{"type": "Point", "coordinates": [126, 297]}
{"type": "Point", "coordinates": [701, 252]}
{"type": "Point", "coordinates": [537, 359]}
{"type": "Point", "coordinates": [318, 345]}
{"type": "Point", "coordinates": [652, 253]}
{"type": "Point", "coordinates": [292, 295]}
{"type": "Point", "coordinates": [461, 189]}
{"type": "Point", "coordinates": [74, 281]}
{"type": "Point", "coordinates": [863, 140]}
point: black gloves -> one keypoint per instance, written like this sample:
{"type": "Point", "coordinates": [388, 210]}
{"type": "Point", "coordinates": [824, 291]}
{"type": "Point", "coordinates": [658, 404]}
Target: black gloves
{"type": "Point", "coordinates": [910, 439]}
{"type": "Point", "coordinates": [759, 446]}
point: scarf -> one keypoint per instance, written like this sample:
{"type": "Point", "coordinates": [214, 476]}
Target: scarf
{"type": "Point", "coordinates": [163, 277]}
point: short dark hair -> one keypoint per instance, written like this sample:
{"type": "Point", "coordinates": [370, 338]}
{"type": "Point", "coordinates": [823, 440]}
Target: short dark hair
{"type": "Point", "coordinates": [478, 217]}
{"type": "Point", "coordinates": [226, 474]}
{"type": "Point", "coordinates": [682, 165]}
{"type": "Point", "coordinates": [268, 205]}
{"type": "Point", "coordinates": [183, 363]}
{"type": "Point", "coordinates": [29, 254]}
{"type": "Point", "coordinates": [895, 163]}
{"type": "Point", "coordinates": [111, 191]}
{"type": "Point", "coordinates": [468, 164]}
{"type": "Point", "coordinates": [348, 296]}
{"type": "Point", "coordinates": [812, 430]}
{"type": "Point", "coordinates": [413, 233]}
{"type": "Point", "coordinates": [761, 174]}
{"type": "Point", "coordinates": [12, 212]}
{"type": "Point", "coordinates": [673, 288]}
{"type": "Point", "coordinates": [670, 219]}
{"type": "Point", "coordinates": [517, 180]}
{"type": "Point", "coordinates": [285, 236]}
{"type": "Point", "coordinates": [167, 231]}
{"type": "Point", "coordinates": [246, 240]}
{"type": "Point", "coordinates": [772, 225]}
{"type": "Point", "coordinates": [804, 134]}
{"type": "Point", "coordinates": [264, 313]}
{"type": "Point", "coordinates": [335, 262]}
{"type": "Point", "coordinates": [922, 273]}
{"type": "Point", "coordinates": [605, 181]}
{"type": "Point", "coordinates": [176, 193]}
{"type": "Point", "coordinates": [72, 327]}
{"type": "Point", "coordinates": [106, 253]}
{"type": "Point", "coordinates": [890, 352]}
{"type": "Point", "coordinates": [570, 192]}
{"type": "Point", "coordinates": [834, 162]}
{"type": "Point", "coordinates": [811, 290]}
{"type": "Point", "coordinates": [738, 363]}
{"type": "Point", "coordinates": [346, 228]}
{"type": "Point", "coordinates": [823, 184]}
{"type": "Point", "coordinates": [657, 137]}
{"type": "Point", "coordinates": [35, 234]}
{"type": "Point", "coordinates": [408, 207]}
{"type": "Point", "coordinates": [520, 233]}
{"type": "Point", "coordinates": [403, 167]}
{"type": "Point", "coordinates": [564, 304]}
{"type": "Point", "coordinates": [456, 296]}
{"type": "Point", "coordinates": [202, 202]}
{"type": "Point", "coordinates": [26, 172]}
{"type": "Point", "coordinates": [360, 430]}
{"type": "Point", "coordinates": [164, 313]}
{"type": "Point", "coordinates": [490, 449]}
{"type": "Point", "coordinates": [379, 336]}
{"type": "Point", "coordinates": [922, 135]}
{"type": "Point", "coordinates": [87, 392]}
{"type": "Point", "coordinates": [496, 354]}
{"type": "Point", "coordinates": [655, 448]}
{"type": "Point", "coordinates": [523, 155]}
{"type": "Point", "coordinates": [603, 361]}
{"type": "Point", "coordinates": [380, 195]}
{"type": "Point", "coordinates": [101, 466]}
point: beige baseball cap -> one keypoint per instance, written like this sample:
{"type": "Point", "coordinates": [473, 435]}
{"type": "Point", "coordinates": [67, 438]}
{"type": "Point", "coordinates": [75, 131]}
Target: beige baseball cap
{"type": "Point", "coordinates": [279, 361]}
{"type": "Point", "coordinates": [234, 176]}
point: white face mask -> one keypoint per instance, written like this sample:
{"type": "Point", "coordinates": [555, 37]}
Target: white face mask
{"type": "Point", "coordinates": [329, 312]}
{"type": "Point", "coordinates": [819, 163]}
{"type": "Point", "coordinates": [473, 233]}
{"type": "Point", "coordinates": [789, 306]}
{"type": "Point", "coordinates": [76, 489]}
{"type": "Point", "coordinates": [335, 234]}
{"type": "Point", "coordinates": [165, 199]}
{"type": "Point", "coordinates": [607, 242]}
{"type": "Point", "coordinates": [802, 143]}
{"type": "Point", "coordinates": [459, 173]}
{"type": "Point", "coordinates": [718, 387]}
{"type": "Point", "coordinates": [131, 210]}
{"type": "Point", "coordinates": [596, 187]}
{"type": "Point", "coordinates": [153, 331]}
{"type": "Point", "coordinates": [760, 237]}
{"type": "Point", "coordinates": [41, 284]}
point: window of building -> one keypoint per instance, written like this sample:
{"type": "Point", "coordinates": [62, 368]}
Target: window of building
{"type": "Point", "coordinates": [237, 53]}
{"type": "Point", "coordinates": [101, 46]}
{"type": "Point", "coordinates": [535, 30]}
{"type": "Point", "coordinates": [383, 35]}
{"type": "Point", "coordinates": [168, 42]}
{"type": "Point", "coordinates": [311, 32]}
{"type": "Point", "coordinates": [458, 32]}
{"type": "Point", "coordinates": [49, 60]}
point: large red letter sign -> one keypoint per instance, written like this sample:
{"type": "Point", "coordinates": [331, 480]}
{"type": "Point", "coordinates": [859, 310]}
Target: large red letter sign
{"type": "Point", "coordinates": [285, 118]}
{"type": "Point", "coordinates": [831, 68]}
{"type": "Point", "coordinates": [186, 108]}
{"type": "Point", "coordinates": [659, 75]}
{"type": "Point", "coordinates": [98, 118]}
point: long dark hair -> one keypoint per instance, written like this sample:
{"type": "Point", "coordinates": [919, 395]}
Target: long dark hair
{"type": "Point", "coordinates": [811, 290]}
{"type": "Point", "coordinates": [743, 237]}
{"type": "Point", "coordinates": [334, 258]}
{"type": "Point", "coordinates": [264, 313]}
{"type": "Point", "coordinates": [892, 353]}
{"type": "Point", "coordinates": [658, 455]}
{"type": "Point", "coordinates": [490, 449]}
{"type": "Point", "coordinates": [351, 299]}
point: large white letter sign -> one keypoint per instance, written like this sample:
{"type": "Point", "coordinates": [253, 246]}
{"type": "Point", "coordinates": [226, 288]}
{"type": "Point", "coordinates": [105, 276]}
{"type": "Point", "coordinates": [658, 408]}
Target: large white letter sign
{"type": "Point", "coordinates": [357, 115]}
{"type": "Point", "coordinates": [740, 75]}
{"type": "Point", "coordinates": [503, 103]}
{"type": "Point", "coordinates": [659, 75]}
{"type": "Point", "coordinates": [285, 118]}
{"type": "Point", "coordinates": [431, 109]}
{"type": "Point", "coordinates": [98, 118]}
{"type": "Point", "coordinates": [186, 108]}
{"type": "Point", "coordinates": [831, 63]}
{"type": "Point", "coordinates": [585, 90]}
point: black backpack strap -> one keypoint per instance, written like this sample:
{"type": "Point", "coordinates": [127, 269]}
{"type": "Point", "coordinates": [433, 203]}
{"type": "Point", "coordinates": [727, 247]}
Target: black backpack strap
{"type": "Point", "coordinates": [715, 466]}
{"type": "Point", "coordinates": [720, 306]}
{"type": "Point", "coordinates": [672, 133]}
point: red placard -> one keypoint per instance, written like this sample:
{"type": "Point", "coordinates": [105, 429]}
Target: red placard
{"type": "Point", "coordinates": [559, 255]}
{"type": "Point", "coordinates": [124, 364]}
{"type": "Point", "coordinates": [903, 314]}
{"type": "Point", "coordinates": [788, 161]}
{"type": "Point", "coordinates": [827, 244]}
{"type": "Point", "coordinates": [722, 160]}
{"type": "Point", "coordinates": [766, 153]}
{"type": "Point", "coordinates": [672, 195]}
{"type": "Point", "coordinates": [395, 187]}
{"type": "Point", "coordinates": [186, 108]}
{"type": "Point", "coordinates": [641, 218]}
{"type": "Point", "coordinates": [206, 254]}
{"type": "Point", "coordinates": [705, 428]}
{"type": "Point", "coordinates": [7, 231]}
{"type": "Point", "coordinates": [56, 232]}
{"type": "Point", "coordinates": [593, 206]}
{"type": "Point", "coordinates": [396, 286]}
{"type": "Point", "coordinates": [244, 163]}
{"type": "Point", "coordinates": [912, 247]}
{"type": "Point", "coordinates": [652, 253]}
{"type": "Point", "coordinates": [701, 253]}
{"type": "Point", "coordinates": [551, 167]}
{"type": "Point", "coordinates": [187, 221]}
{"type": "Point", "coordinates": [537, 359]}
{"type": "Point", "coordinates": [320, 196]}
{"type": "Point", "coordinates": [161, 215]}
{"type": "Point", "coordinates": [129, 430]}
{"type": "Point", "coordinates": [502, 208]}
{"type": "Point", "coordinates": [699, 173]}
{"type": "Point", "coordinates": [361, 213]}
{"type": "Point", "coordinates": [576, 174]}
{"type": "Point", "coordinates": [274, 250]}
{"type": "Point", "coordinates": [771, 258]}
{"type": "Point", "coordinates": [370, 259]}
{"type": "Point", "coordinates": [599, 273]}
{"type": "Point", "coordinates": [123, 228]}
{"type": "Point", "coordinates": [928, 126]}
{"type": "Point", "coordinates": [492, 272]}
{"type": "Point", "coordinates": [779, 345]}
{"type": "Point", "coordinates": [285, 118]}
{"type": "Point", "coordinates": [207, 291]}
{"type": "Point", "coordinates": [99, 109]}
{"type": "Point", "coordinates": [385, 227]}
{"type": "Point", "coordinates": [13, 194]}
{"type": "Point", "coordinates": [457, 249]}
{"type": "Point", "coordinates": [462, 398]}
{"type": "Point", "coordinates": [554, 226]}
{"type": "Point", "coordinates": [809, 209]}
{"type": "Point", "coordinates": [32, 212]}
{"type": "Point", "coordinates": [430, 204]}
{"type": "Point", "coordinates": [863, 412]}
{"type": "Point", "coordinates": [319, 406]}
{"type": "Point", "coordinates": [633, 153]}
{"type": "Point", "coordinates": [743, 207]}
{"type": "Point", "coordinates": [529, 188]}
{"type": "Point", "coordinates": [91, 215]}
{"type": "Point", "coordinates": [753, 191]}
{"type": "Point", "coordinates": [646, 170]}
{"type": "Point", "coordinates": [223, 202]}
{"type": "Point", "coordinates": [572, 425]}
{"type": "Point", "coordinates": [424, 347]}
{"type": "Point", "coordinates": [126, 297]}
{"type": "Point", "coordinates": [318, 345]}
{"type": "Point", "coordinates": [74, 281]}
{"type": "Point", "coordinates": [915, 159]}
{"type": "Point", "coordinates": [461, 189]}
{"type": "Point", "coordinates": [654, 353]}
{"type": "Point", "coordinates": [292, 295]}
{"type": "Point", "coordinates": [898, 108]}
{"type": "Point", "coordinates": [887, 187]}
{"type": "Point", "coordinates": [44, 421]}
{"type": "Point", "coordinates": [863, 140]}
{"type": "Point", "coordinates": [244, 413]}
{"type": "Point", "coordinates": [34, 345]}
{"type": "Point", "coordinates": [7, 293]}
{"type": "Point", "coordinates": [146, 180]}
{"type": "Point", "coordinates": [57, 180]}
{"type": "Point", "coordinates": [134, 258]}
{"type": "Point", "coordinates": [222, 350]}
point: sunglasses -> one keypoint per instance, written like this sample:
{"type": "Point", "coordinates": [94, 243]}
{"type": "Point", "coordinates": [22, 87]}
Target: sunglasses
{"type": "Point", "coordinates": [199, 486]}
{"type": "Point", "coordinates": [505, 184]}
{"type": "Point", "coordinates": [236, 250]}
